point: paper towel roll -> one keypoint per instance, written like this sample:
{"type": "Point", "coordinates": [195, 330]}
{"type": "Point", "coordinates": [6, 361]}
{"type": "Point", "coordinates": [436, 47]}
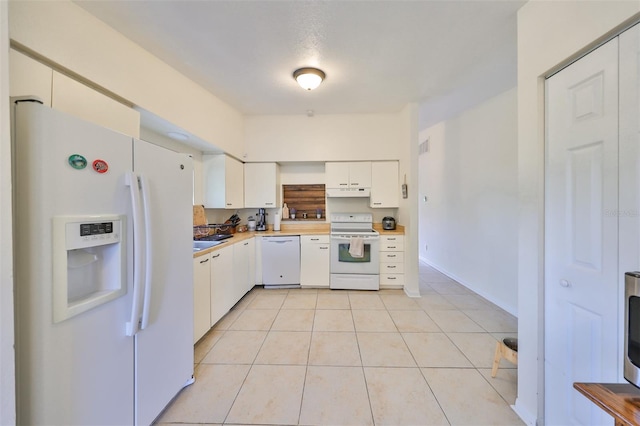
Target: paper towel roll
{"type": "Point", "coordinates": [276, 222]}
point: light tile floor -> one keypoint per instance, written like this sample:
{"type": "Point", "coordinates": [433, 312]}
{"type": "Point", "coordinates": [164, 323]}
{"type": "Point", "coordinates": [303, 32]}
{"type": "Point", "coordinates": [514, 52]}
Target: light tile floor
{"type": "Point", "coordinates": [322, 357]}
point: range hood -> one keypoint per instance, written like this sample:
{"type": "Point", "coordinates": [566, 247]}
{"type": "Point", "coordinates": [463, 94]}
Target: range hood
{"type": "Point", "coordinates": [348, 192]}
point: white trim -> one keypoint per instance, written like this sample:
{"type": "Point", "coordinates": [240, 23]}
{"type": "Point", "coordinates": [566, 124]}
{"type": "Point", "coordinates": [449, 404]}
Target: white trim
{"type": "Point", "coordinates": [524, 414]}
{"type": "Point", "coordinates": [7, 355]}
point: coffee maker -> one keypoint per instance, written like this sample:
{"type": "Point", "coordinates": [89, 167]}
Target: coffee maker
{"type": "Point", "coordinates": [261, 220]}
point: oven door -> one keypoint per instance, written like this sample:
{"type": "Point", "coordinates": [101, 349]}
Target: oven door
{"type": "Point", "coordinates": [343, 263]}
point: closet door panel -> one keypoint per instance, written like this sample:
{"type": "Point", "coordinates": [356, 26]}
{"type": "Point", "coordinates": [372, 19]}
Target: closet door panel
{"type": "Point", "coordinates": [629, 205]}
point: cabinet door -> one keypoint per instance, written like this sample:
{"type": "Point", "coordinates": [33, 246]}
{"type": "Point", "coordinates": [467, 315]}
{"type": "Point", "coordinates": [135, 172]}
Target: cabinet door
{"type": "Point", "coordinates": [244, 268]}
{"type": "Point", "coordinates": [251, 251]}
{"type": "Point", "coordinates": [392, 243]}
{"type": "Point", "coordinates": [384, 184]}
{"type": "Point", "coordinates": [336, 175]}
{"type": "Point", "coordinates": [221, 283]}
{"type": "Point", "coordinates": [82, 101]}
{"type": "Point", "coordinates": [257, 244]}
{"type": "Point", "coordinates": [234, 184]}
{"type": "Point", "coordinates": [213, 181]}
{"type": "Point", "coordinates": [29, 77]}
{"type": "Point", "coordinates": [360, 174]}
{"type": "Point", "coordinates": [261, 185]}
{"type": "Point", "coordinates": [201, 296]}
{"type": "Point", "coordinates": [223, 182]}
{"type": "Point", "coordinates": [314, 263]}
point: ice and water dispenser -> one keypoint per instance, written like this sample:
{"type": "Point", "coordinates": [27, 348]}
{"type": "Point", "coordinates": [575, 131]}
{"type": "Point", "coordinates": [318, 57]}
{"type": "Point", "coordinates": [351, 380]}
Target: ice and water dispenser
{"type": "Point", "coordinates": [89, 262]}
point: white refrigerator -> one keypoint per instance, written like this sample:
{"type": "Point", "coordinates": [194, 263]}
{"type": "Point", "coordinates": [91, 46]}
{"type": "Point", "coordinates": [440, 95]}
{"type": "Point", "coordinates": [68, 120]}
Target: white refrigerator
{"type": "Point", "coordinates": [103, 272]}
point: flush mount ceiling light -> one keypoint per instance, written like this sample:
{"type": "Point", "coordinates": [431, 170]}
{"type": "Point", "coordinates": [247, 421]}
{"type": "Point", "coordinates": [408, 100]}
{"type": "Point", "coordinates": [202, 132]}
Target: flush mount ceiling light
{"type": "Point", "coordinates": [309, 78]}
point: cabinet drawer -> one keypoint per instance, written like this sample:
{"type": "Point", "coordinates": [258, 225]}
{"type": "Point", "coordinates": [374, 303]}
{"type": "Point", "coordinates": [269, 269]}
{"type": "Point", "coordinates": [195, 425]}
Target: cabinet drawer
{"type": "Point", "coordinates": [392, 268]}
{"type": "Point", "coordinates": [392, 257]}
{"type": "Point", "coordinates": [391, 246]}
{"type": "Point", "coordinates": [391, 279]}
{"type": "Point", "coordinates": [314, 239]}
{"type": "Point", "coordinates": [391, 239]}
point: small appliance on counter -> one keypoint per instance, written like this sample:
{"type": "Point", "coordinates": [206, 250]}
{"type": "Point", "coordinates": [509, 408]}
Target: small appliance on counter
{"type": "Point", "coordinates": [251, 223]}
{"type": "Point", "coordinates": [261, 220]}
{"type": "Point", "coordinates": [388, 223]}
{"type": "Point", "coordinates": [276, 221]}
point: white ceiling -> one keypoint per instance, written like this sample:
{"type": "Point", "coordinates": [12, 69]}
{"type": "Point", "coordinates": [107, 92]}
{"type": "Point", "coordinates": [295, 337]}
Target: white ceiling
{"type": "Point", "coordinates": [378, 55]}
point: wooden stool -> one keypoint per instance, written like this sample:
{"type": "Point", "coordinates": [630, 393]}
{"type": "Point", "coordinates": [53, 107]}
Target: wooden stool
{"type": "Point", "coordinates": [507, 349]}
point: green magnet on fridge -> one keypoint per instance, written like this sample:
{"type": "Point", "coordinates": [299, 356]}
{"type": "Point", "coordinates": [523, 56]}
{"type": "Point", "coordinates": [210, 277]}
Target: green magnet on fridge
{"type": "Point", "coordinates": [77, 161]}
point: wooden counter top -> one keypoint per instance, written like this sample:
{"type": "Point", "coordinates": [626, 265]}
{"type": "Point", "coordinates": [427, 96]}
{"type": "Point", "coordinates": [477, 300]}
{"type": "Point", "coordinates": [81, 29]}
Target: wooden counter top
{"type": "Point", "coordinates": [291, 229]}
{"type": "Point", "coordinates": [288, 229]}
{"type": "Point", "coordinates": [620, 400]}
{"type": "Point", "coordinates": [398, 231]}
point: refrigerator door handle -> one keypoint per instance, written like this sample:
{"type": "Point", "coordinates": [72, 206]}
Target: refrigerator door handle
{"type": "Point", "coordinates": [146, 207]}
{"type": "Point", "coordinates": [133, 182]}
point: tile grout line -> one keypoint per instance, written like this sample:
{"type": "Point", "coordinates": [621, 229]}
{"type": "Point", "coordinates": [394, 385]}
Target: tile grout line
{"type": "Point", "coordinates": [363, 367]}
{"type": "Point", "coordinates": [244, 381]}
{"type": "Point", "coordinates": [306, 370]}
{"type": "Point", "coordinates": [420, 369]}
{"type": "Point", "coordinates": [364, 375]}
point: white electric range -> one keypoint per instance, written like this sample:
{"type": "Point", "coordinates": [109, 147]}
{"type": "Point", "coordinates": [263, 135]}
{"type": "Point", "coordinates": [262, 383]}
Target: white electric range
{"type": "Point", "coordinates": [355, 252]}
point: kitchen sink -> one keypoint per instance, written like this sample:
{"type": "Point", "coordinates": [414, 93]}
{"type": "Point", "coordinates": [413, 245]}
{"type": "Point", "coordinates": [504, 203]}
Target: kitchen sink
{"type": "Point", "coordinates": [203, 245]}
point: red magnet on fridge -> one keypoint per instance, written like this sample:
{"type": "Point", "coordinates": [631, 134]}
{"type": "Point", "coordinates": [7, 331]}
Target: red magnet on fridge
{"type": "Point", "coordinates": [100, 166]}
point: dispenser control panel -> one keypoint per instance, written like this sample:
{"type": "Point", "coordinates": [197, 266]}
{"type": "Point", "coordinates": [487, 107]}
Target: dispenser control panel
{"type": "Point", "coordinates": [88, 229]}
{"type": "Point", "coordinates": [87, 234]}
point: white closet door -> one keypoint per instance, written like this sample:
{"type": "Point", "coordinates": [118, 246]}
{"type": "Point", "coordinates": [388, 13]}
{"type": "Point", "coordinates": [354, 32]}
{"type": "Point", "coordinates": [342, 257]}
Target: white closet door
{"type": "Point", "coordinates": [629, 210]}
{"type": "Point", "coordinates": [581, 235]}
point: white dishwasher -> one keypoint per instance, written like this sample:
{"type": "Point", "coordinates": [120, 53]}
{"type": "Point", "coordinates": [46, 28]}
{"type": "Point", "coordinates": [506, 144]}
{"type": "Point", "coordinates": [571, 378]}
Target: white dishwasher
{"type": "Point", "coordinates": [281, 261]}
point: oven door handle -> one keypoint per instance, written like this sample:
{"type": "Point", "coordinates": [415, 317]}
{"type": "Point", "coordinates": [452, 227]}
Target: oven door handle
{"type": "Point", "coordinates": [368, 238]}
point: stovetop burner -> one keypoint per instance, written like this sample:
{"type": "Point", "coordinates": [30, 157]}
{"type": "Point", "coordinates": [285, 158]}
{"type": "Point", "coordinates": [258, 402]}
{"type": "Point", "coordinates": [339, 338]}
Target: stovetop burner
{"type": "Point", "coordinates": [352, 224]}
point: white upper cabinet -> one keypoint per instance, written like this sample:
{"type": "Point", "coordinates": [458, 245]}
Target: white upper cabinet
{"type": "Point", "coordinates": [261, 185]}
{"type": "Point", "coordinates": [29, 77]}
{"type": "Point", "coordinates": [75, 98]}
{"type": "Point", "coordinates": [384, 184]}
{"type": "Point", "coordinates": [348, 175]}
{"type": "Point", "coordinates": [223, 182]}
{"type": "Point", "coordinates": [336, 175]}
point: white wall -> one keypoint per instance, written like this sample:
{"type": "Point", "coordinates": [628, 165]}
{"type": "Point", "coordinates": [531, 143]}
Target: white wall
{"type": "Point", "coordinates": [470, 219]}
{"type": "Point", "coordinates": [7, 370]}
{"type": "Point", "coordinates": [345, 137]}
{"type": "Point", "coordinates": [550, 34]}
{"type": "Point", "coordinates": [67, 36]}
{"type": "Point", "coordinates": [408, 211]}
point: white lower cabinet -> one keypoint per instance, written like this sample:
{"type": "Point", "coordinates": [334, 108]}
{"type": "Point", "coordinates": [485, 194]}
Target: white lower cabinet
{"type": "Point", "coordinates": [244, 261]}
{"type": "Point", "coordinates": [314, 261]}
{"type": "Point", "coordinates": [201, 296]}
{"type": "Point", "coordinates": [391, 260]}
{"type": "Point", "coordinates": [221, 283]}
{"type": "Point", "coordinates": [221, 279]}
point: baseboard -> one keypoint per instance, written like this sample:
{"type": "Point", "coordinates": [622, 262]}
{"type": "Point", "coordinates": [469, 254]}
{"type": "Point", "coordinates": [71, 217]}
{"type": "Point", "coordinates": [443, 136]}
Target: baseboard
{"type": "Point", "coordinates": [511, 310]}
{"type": "Point", "coordinates": [412, 294]}
{"type": "Point", "coordinates": [524, 414]}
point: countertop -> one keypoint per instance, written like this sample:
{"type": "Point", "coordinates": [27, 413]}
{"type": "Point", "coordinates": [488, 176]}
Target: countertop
{"type": "Point", "coordinates": [289, 229]}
